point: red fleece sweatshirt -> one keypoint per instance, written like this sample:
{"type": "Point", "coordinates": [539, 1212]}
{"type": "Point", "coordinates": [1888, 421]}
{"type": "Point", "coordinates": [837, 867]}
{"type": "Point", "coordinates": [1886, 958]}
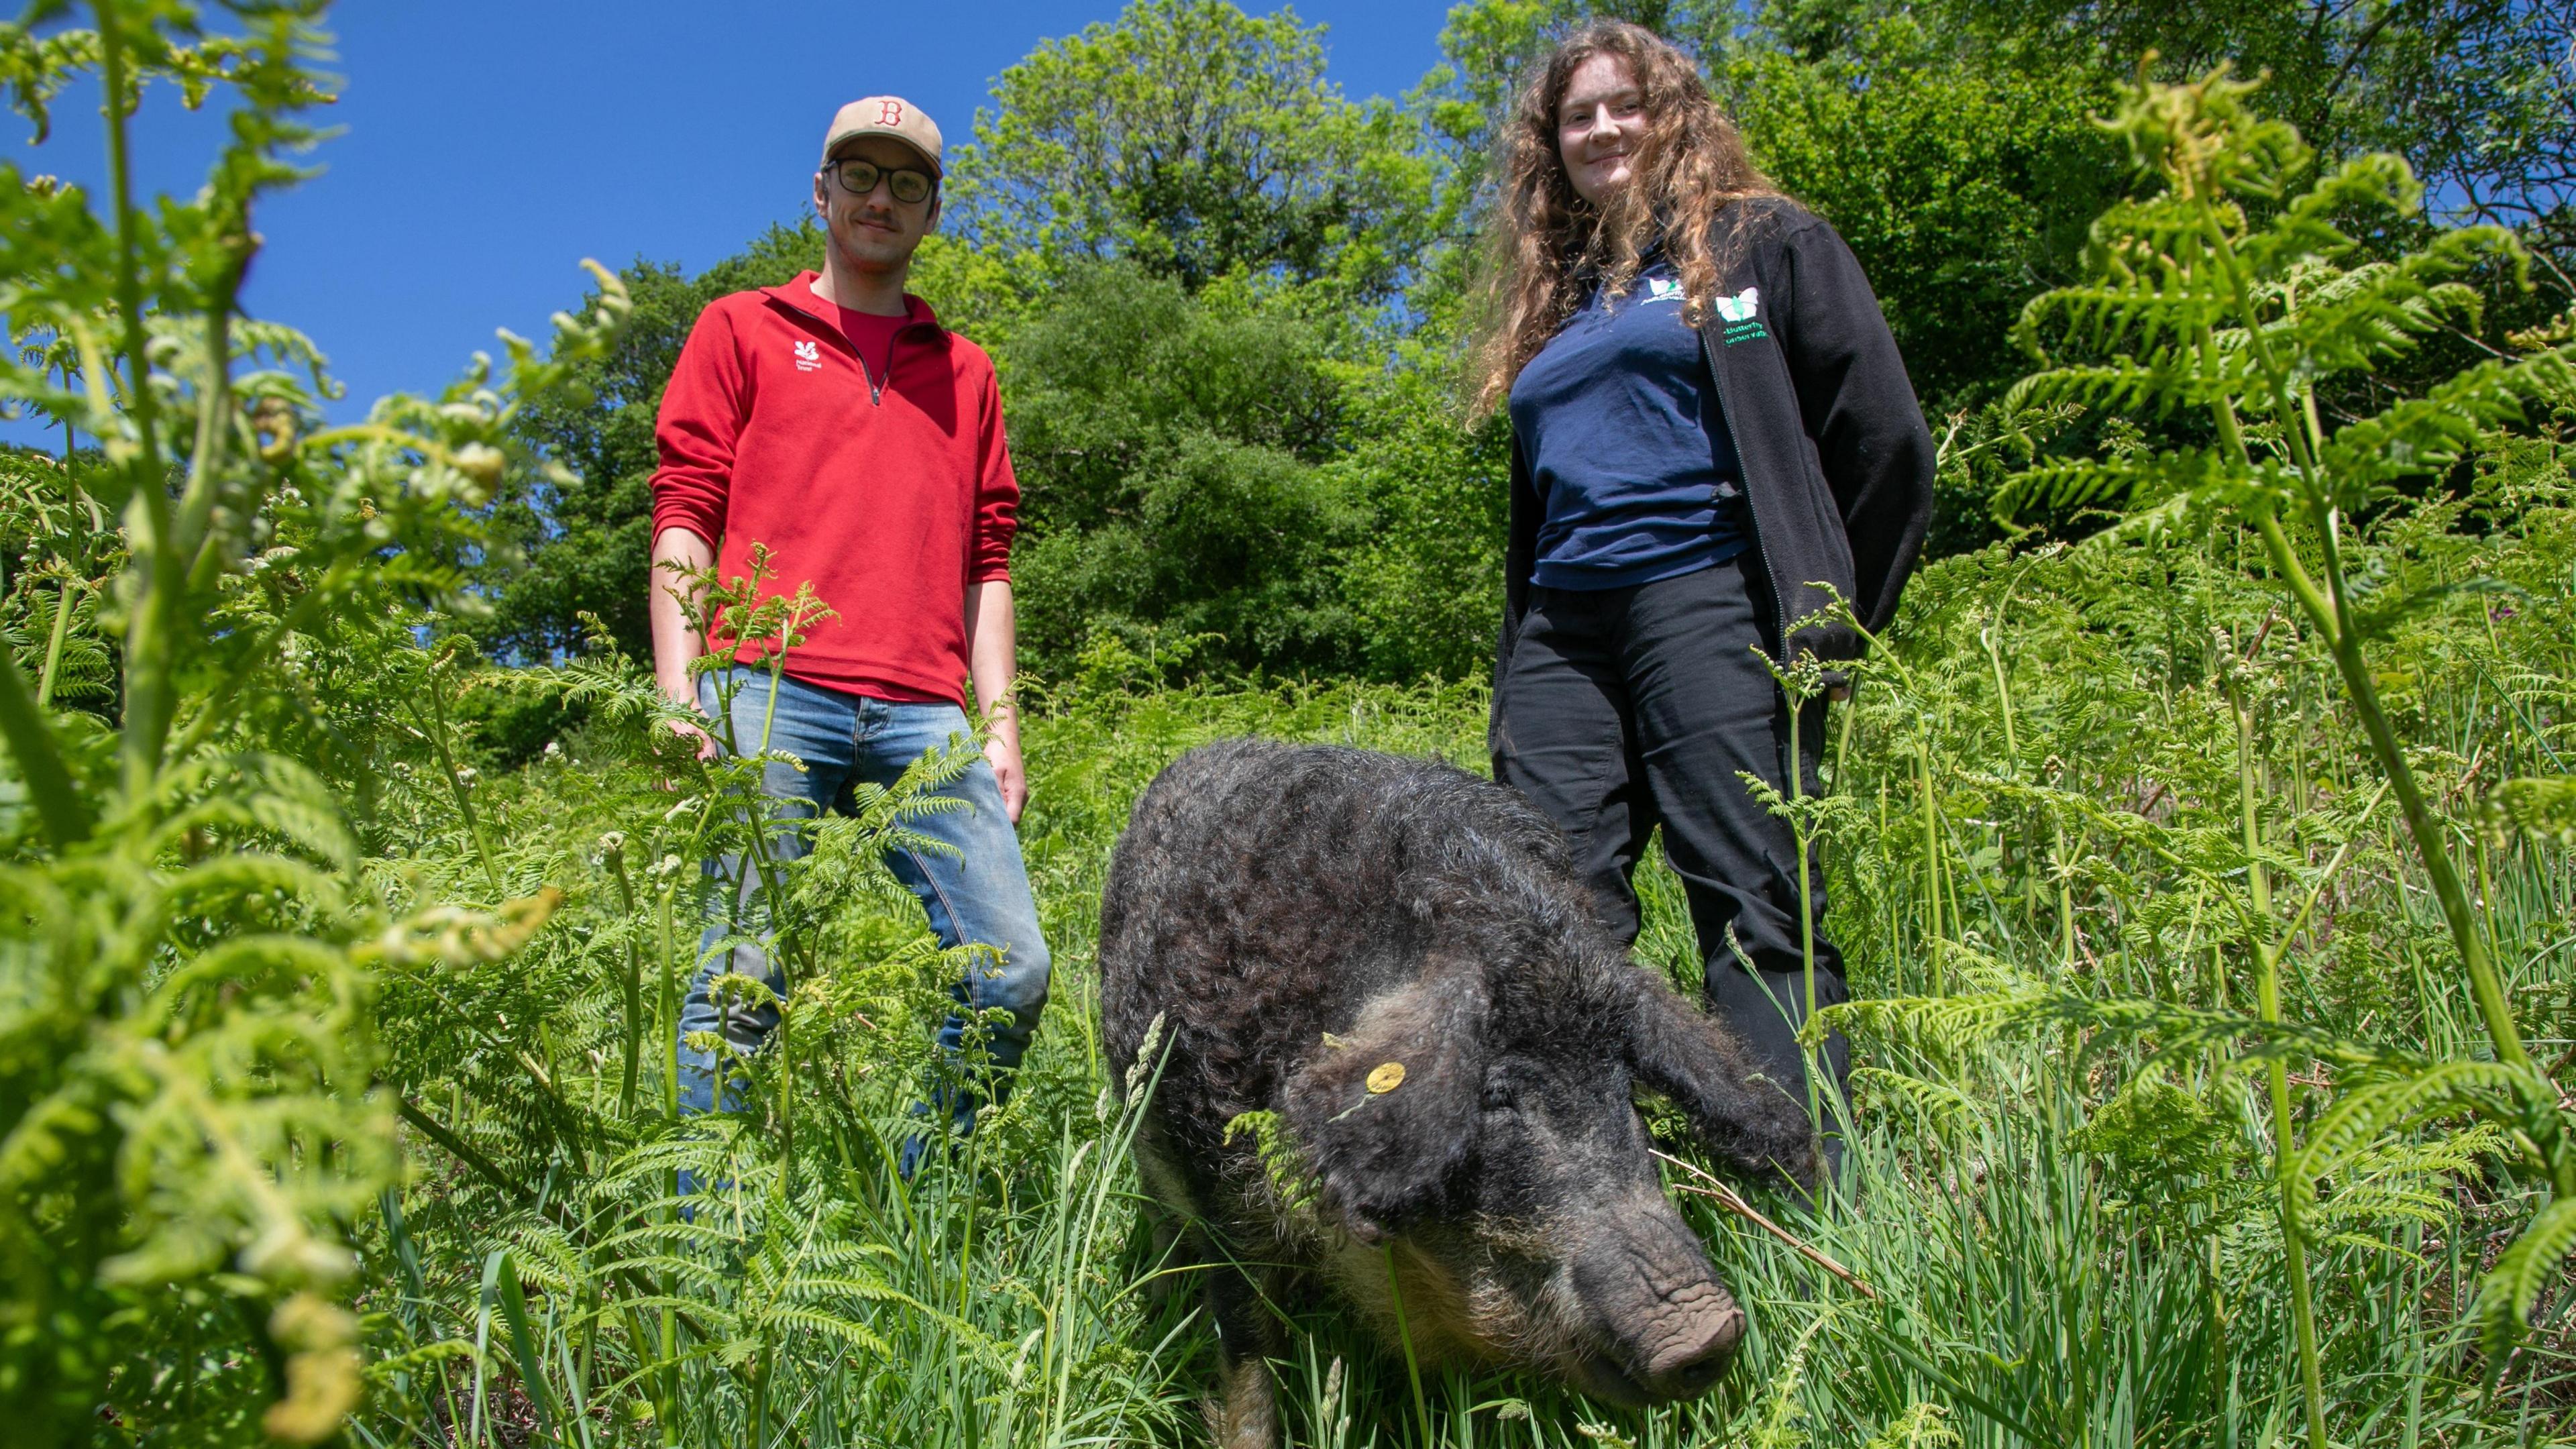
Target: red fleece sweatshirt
{"type": "Point", "coordinates": [891, 495]}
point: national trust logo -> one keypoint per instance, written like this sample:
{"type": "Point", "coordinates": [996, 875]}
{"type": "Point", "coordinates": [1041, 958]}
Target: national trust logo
{"type": "Point", "coordinates": [808, 357]}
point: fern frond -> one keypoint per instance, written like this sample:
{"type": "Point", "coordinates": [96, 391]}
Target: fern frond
{"type": "Point", "coordinates": [832, 1326]}
{"type": "Point", "coordinates": [2360, 1117]}
{"type": "Point", "coordinates": [250, 875]}
{"type": "Point", "coordinates": [267, 793]}
{"type": "Point", "coordinates": [1925, 1425]}
{"type": "Point", "coordinates": [2429, 434]}
{"type": "Point", "coordinates": [1934, 1105]}
{"type": "Point", "coordinates": [2543, 806]}
{"type": "Point", "coordinates": [2522, 1273]}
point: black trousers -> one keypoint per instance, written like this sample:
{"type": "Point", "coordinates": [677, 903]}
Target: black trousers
{"type": "Point", "coordinates": [1624, 709]}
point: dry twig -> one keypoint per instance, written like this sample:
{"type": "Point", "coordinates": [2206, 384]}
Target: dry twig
{"type": "Point", "coordinates": [1728, 1198]}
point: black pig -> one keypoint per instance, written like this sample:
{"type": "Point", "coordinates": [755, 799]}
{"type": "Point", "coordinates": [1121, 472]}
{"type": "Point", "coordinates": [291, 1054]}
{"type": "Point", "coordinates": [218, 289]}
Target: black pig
{"type": "Point", "coordinates": [1395, 958]}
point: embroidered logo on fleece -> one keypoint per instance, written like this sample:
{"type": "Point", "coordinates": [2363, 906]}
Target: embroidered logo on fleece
{"type": "Point", "coordinates": [1737, 312]}
{"type": "Point", "coordinates": [1662, 289]}
{"type": "Point", "coordinates": [808, 357]}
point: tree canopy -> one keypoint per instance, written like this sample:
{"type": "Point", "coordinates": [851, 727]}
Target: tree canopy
{"type": "Point", "coordinates": [1200, 142]}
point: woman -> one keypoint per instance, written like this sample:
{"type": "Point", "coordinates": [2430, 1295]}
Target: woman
{"type": "Point", "coordinates": [1709, 420]}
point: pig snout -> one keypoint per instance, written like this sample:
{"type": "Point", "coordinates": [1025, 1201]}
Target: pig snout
{"type": "Point", "coordinates": [1702, 1343]}
{"type": "Point", "coordinates": [1664, 1327]}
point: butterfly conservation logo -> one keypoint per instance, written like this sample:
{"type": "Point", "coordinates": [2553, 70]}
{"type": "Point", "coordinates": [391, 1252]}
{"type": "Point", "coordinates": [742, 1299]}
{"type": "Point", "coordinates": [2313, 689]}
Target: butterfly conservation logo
{"type": "Point", "coordinates": [1740, 313]}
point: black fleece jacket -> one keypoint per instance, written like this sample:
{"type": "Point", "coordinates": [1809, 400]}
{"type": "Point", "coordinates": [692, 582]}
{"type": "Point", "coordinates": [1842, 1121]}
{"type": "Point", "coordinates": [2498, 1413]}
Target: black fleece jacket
{"type": "Point", "coordinates": [1837, 461]}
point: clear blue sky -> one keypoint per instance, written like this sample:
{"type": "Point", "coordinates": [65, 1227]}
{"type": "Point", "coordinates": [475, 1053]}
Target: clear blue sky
{"type": "Point", "coordinates": [488, 146]}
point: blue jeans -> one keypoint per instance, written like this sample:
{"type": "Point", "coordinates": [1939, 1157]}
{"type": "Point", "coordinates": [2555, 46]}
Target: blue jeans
{"type": "Point", "coordinates": [978, 895]}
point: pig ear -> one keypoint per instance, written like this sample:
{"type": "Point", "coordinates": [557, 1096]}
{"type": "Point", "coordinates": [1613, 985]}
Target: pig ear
{"type": "Point", "coordinates": [1743, 1116]}
{"type": "Point", "coordinates": [1384, 1111]}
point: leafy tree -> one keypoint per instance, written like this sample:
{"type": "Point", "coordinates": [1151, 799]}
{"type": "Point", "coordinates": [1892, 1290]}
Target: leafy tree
{"type": "Point", "coordinates": [1169, 448]}
{"type": "Point", "coordinates": [2476, 94]}
{"type": "Point", "coordinates": [1960, 186]}
{"type": "Point", "coordinates": [1485, 44]}
{"type": "Point", "coordinates": [577, 540]}
{"type": "Point", "coordinates": [1198, 141]}
{"type": "Point", "coordinates": [1425, 587]}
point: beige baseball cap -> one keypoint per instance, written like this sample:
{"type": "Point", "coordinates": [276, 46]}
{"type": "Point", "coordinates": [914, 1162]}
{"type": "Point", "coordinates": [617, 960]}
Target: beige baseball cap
{"type": "Point", "coordinates": [886, 116]}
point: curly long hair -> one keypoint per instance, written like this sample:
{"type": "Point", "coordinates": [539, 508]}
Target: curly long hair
{"type": "Point", "coordinates": [1546, 246]}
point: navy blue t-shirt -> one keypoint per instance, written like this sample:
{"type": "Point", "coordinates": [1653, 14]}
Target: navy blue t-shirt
{"type": "Point", "coordinates": [1619, 423]}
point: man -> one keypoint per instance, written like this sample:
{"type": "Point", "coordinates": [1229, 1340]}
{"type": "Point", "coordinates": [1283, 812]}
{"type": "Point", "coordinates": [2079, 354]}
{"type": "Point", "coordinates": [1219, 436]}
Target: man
{"type": "Point", "coordinates": [835, 422]}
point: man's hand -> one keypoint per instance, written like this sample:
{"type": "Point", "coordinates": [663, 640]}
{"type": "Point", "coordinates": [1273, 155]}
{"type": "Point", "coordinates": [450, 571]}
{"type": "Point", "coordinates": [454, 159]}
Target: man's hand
{"type": "Point", "coordinates": [676, 641]}
{"type": "Point", "coordinates": [1004, 756]}
{"type": "Point", "coordinates": [705, 743]}
{"type": "Point", "coordinates": [992, 645]}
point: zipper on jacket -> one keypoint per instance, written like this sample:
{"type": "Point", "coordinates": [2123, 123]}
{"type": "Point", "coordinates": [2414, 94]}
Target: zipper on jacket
{"type": "Point", "coordinates": [876, 384]}
{"type": "Point", "coordinates": [1752, 514]}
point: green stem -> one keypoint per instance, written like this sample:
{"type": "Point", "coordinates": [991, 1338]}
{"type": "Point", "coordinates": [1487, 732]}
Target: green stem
{"type": "Point", "coordinates": [2268, 1003]}
{"type": "Point", "coordinates": [40, 761]}
{"type": "Point", "coordinates": [2065, 899]}
{"type": "Point", "coordinates": [786, 1070]}
{"type": "Point", "coordinates": [1806, 906]}
{"type": "Point", "coordinates": [457, 1147]}
{"type": "Point", "coordinates": [2303, 1318]}
{"type": "Point", "coordinates": [2485, 987]}
{"type": "Point", "coordinates": [634, 985]}
{"type": "Point", "coordinates": [1404, 1335]}
{"type": "Point", "coordinates": [456, 782]}
{"type": "Point", "coordinates": [54, 646]}
{"type": "Point", "coordinates": [2321, 610]}
{"type": "Point", "coordinates": [192, 537]}
{"type": "Point", "coordinates": [670, 1010]}
{"type": "Point", "coordinates": [1843, 737]}
{"type": "Point", "coordinates": [152, 627]}
{"type": "Point", "coordinates": [2003, 690]}
{"type": "Point", "coordinates": [1931, 862]}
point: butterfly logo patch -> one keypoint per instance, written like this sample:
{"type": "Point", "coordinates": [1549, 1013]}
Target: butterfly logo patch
{"type": "Point", "coordinates": [1737, 312]}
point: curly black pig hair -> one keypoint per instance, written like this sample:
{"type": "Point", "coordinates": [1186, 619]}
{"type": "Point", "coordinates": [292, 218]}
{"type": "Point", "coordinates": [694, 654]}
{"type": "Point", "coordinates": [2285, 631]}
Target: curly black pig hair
{"type": "Point", "coordinates": [1298, 916]}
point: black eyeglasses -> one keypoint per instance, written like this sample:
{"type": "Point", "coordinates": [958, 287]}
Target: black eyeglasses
{"type": "Point", "coordinates": [860, 177]}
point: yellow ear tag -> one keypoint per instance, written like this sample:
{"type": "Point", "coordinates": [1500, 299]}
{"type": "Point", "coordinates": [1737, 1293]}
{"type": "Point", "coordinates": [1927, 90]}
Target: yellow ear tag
{"type": "Point", "coordinates": [1386, 1078]}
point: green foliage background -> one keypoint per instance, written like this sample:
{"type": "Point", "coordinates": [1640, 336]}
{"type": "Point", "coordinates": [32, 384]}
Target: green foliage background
{"type": "Point", "coordinates": [340, 941]}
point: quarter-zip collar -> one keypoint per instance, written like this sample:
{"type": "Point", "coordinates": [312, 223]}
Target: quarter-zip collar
{"type": "Point", "coordinates": [799, 297]}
